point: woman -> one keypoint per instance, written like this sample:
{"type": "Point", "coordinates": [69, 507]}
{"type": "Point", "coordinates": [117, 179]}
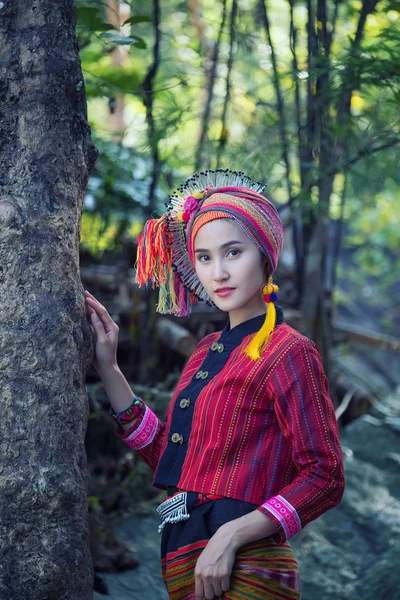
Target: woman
{"type": "Point", "coordinates": [249, 451]}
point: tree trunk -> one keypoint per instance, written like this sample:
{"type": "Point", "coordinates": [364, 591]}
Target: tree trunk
{"type": "Point", "coordinates": [45, 160]}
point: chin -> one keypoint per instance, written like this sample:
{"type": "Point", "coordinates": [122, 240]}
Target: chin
{"type": "Point", "coordinates": [226, 306]}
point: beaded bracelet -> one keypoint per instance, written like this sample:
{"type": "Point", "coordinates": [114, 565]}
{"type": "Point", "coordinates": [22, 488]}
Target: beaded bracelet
{"type": "Point", "coordinates": [130, 413]}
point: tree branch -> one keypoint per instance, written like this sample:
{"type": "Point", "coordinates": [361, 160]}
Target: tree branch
{"type": "Point", "coordinates": [297, 229]}
{"type": "Point", "coordinates": [350, 77]}
{"type": "Point", "coordinates": [330, 34]}
{"type": "Point", "coordinates": [147, 91]}
{"type": "Point", "coordinates": [210, 95]}
{"type": "Point", "coordinates": [322, 31]}
{"type": "Point", "coordinates": [312, 53]}
{"type": "Point", "coordinates": [279, 97]}
{"type": "Point", "coordinates": [344, 167]}
{"type": "Point", "coordinates": [300, 133]}
{"type": "Point", "coordinates": [224, 133]}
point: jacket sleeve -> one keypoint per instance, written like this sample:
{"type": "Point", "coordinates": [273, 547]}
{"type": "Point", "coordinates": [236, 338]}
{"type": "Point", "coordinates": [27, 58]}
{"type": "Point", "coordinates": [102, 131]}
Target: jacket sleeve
{"type": "Point", "coordinates": [148, 433]}
{"type": "Point", "coordinates": [147, 436]}
{"type": "Point", "coordinates": [307, 419]}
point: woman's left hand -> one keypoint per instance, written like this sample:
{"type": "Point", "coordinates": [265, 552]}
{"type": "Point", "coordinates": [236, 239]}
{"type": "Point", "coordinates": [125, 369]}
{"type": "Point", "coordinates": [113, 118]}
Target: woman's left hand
{"type": "Point", "coordinates": [214, 566]}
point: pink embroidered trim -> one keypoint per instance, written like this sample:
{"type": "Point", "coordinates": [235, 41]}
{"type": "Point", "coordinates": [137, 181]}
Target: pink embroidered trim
{"type": "Point", "coordinates": [144, 434]}
{"type": "Point", "coordinates": [285, 513]}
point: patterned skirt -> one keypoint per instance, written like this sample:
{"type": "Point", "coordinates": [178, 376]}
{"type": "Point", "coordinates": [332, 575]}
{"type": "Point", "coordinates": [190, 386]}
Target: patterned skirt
{"type": "Point", "coordinates": [262, 570]}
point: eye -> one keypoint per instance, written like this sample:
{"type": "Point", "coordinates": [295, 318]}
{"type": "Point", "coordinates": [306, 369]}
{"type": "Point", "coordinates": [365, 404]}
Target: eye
{"type": "Point", "coordinates": [234, 252]}
{"type": "Point", "coordinates": [203, 258]}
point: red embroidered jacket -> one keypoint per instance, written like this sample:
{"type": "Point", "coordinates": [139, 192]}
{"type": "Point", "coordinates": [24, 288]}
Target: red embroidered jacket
{"type": "Point", "coordinates": [261, 431]}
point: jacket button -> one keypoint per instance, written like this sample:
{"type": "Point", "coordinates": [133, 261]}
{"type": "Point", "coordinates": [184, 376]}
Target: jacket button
{"type": "Point", "coordinates": [184, 403]}
{"type": "Point", "coordinates": [177, 437]}
{"type": "Point", "coordinates": [214, 346]}
{"type": "Point", "coordinates": [220, 348]}
{"type": "Point", "coordinates": [204, 375]}
{"type": "Point", "coordinates": [199, 374]}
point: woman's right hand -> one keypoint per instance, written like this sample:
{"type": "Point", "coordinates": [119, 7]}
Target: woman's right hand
{"type": "Point", "coordinates": [105, 333]}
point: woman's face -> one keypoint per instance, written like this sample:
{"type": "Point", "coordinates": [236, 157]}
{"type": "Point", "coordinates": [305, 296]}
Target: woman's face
{"type": "Point", "coordinates": [231, 269]}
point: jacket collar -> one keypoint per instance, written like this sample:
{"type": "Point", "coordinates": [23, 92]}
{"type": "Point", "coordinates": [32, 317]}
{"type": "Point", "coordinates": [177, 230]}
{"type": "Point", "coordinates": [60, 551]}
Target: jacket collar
{"type": "Point", "coordinates": [248, 327]}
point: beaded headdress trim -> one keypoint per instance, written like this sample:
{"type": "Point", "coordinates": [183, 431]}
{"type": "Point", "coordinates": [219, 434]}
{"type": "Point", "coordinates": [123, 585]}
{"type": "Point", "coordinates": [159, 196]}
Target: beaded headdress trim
{"type": "Point", "coordinates": [163, 258]}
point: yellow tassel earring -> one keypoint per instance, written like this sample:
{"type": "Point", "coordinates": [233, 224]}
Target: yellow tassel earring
{"type": "Point", "coordinates": [259, 342]}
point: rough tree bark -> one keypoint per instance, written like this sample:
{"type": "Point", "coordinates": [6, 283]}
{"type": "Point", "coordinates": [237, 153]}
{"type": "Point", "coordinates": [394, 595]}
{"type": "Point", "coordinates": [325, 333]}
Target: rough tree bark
{"type": "Point", "coordinates": [46, 156]}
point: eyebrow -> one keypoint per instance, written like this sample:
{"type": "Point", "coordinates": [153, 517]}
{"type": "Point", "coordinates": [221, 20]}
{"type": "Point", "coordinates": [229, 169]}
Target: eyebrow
{"type": "Point", "coordinates": [231, 243]}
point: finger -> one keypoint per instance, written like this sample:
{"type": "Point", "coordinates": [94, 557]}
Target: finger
{"type": "Point", "coordinates": [89, 296]}
{"type": "Point", "coordinates": [98, 327]}
{"type": "Point", "coordinates": [198, 589]}
{"type": "Point", "coordinates": [94, 305]}
{"type": "Point", "coordinates": [88, 293]}
{"type": "Point", "coordinates": [99, 308]}
{"type": "Point", "coordinates": [94, 302]}
{"type": "Point", "coordinates": [91, 308]}
{"type": "Point", "coordinates": [208, 590]}
{"type": "Point", "coordinates": [225, 583]}
{"type": "Point", "coordinates": [101, 311]}
{"type": "Point", "coordinates": [217, 588]}
{"type": "Point", "coordinates": [93, 330]}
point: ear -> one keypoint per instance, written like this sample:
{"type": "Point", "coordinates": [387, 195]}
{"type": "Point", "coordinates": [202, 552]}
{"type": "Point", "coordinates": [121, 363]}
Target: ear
{"type": "Point", "coordinates": [265, 266]}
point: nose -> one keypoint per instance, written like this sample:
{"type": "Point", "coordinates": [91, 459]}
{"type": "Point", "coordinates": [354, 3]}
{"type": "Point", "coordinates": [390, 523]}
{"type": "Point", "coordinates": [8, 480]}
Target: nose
{"type": "Point", "coordinates": [220, 272]}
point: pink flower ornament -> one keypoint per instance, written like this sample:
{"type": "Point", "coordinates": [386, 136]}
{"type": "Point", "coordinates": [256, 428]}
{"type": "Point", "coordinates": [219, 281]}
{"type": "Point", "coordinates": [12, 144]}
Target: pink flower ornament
{"type": "Point", "coordinates": [190, 205]}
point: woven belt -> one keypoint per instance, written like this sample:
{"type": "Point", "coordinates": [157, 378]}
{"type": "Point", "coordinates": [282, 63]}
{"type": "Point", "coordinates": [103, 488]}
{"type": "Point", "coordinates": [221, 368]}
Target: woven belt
{"type": "Point", "coordinates": [173, 509]}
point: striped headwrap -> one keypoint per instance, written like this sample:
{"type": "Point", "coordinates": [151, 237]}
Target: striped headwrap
{"type": "Point", "coordinates": [253, 213]}
{"type": "Point", "coordinates": [165, 256]}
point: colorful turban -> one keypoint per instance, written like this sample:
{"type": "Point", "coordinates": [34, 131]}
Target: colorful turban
{"type": "Point", "coordinates": [165, 256]}
{"type": "Point", "coordinates": [253, 213]}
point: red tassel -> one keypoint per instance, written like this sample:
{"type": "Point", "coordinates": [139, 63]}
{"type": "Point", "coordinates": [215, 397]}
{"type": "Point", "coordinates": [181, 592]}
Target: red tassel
{"type": "Point", "coordinates": [154, 259]}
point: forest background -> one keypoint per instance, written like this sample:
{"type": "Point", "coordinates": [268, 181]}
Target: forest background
{"type": "Point", "coordinates": [302, 95]}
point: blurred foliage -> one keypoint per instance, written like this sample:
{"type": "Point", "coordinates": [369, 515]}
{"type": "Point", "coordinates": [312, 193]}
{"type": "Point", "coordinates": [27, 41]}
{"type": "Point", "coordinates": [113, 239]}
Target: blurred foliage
{"type": "Point", "coordinates": [119, 480]}
{"type": "Point", "coordinates": [115, 62]}
{"type": "Point", "coordinates": [115, 197]}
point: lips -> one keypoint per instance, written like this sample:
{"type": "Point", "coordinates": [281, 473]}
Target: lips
{"type": "Point", "coordinates": [223, 292]}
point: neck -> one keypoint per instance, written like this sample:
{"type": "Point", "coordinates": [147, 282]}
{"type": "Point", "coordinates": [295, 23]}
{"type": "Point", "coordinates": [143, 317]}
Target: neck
{"type": "Point", "coordinates": [236, 317]}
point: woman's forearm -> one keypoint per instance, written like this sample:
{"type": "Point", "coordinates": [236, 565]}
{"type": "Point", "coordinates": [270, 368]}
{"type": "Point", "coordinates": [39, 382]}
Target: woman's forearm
{"type": "Point", "coordinates": [250, 528]}
{"type": "Point", "coordinates": [118, 390]}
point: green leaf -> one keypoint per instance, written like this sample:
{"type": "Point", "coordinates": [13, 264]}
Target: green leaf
{"type": "Point", "coordinates": [105, 27]}
{"type": "Point", "coordinates": [109, 35]}
{"type": "Point", "coordinates": [137, 19]}
{"type": "Point", "coordinates": [140, 43]}
{"type": "Point", "coordinates": [123, 40]}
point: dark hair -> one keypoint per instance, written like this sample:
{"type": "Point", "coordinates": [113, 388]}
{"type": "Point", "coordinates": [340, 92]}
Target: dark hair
{"type": "Point", "coordinates": [265, 265]}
